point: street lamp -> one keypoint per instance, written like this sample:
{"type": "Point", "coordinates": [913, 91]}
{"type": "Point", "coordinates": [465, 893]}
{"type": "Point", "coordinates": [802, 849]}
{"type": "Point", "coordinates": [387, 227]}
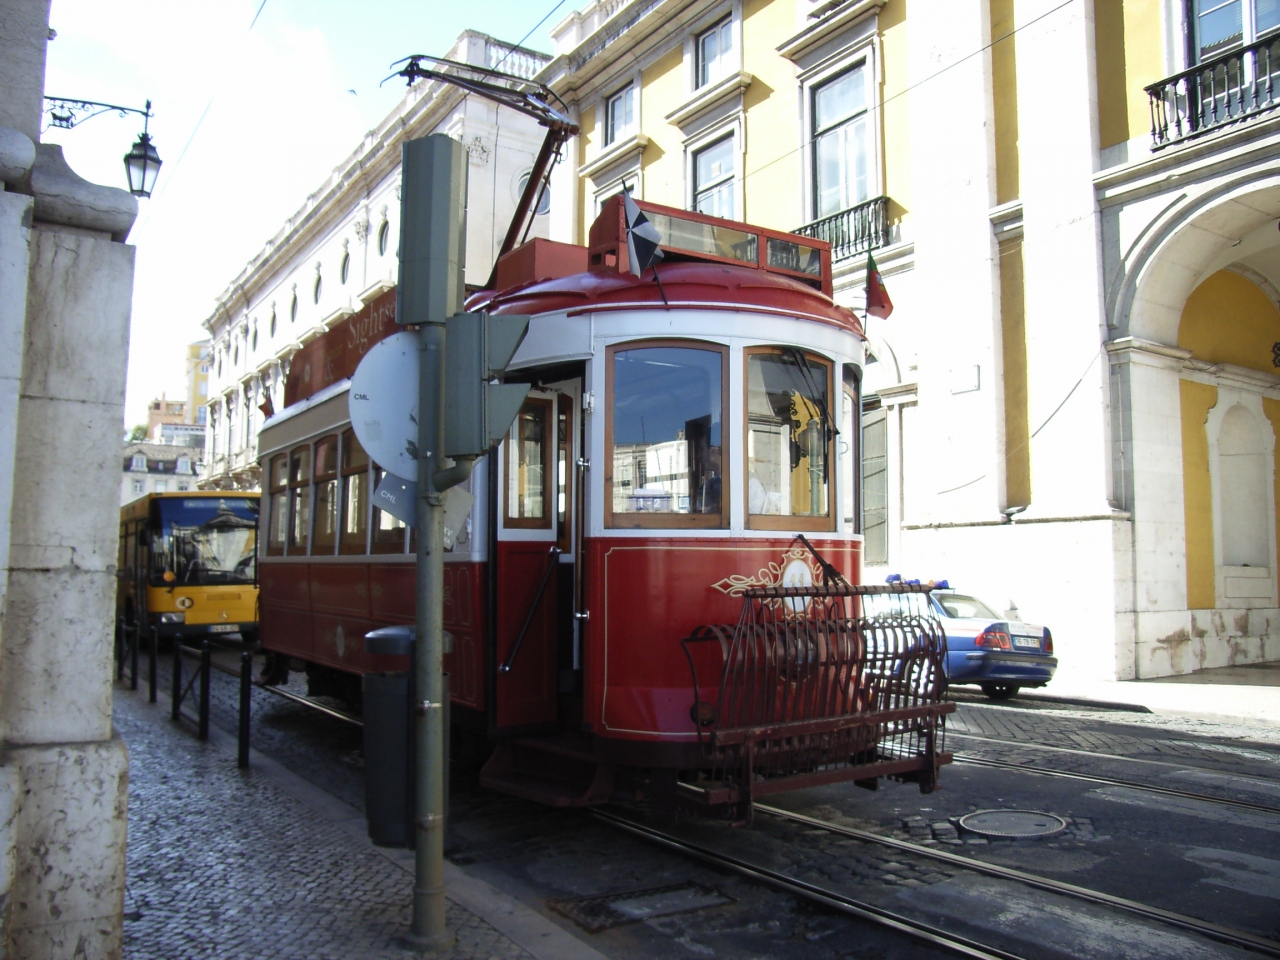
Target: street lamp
{"type": "Point", "coordinates": [141, 163]}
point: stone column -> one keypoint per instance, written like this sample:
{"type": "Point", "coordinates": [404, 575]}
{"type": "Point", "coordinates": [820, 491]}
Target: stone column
{"type": "Point", "coordinates": [1065, 320]}
{"type": "Point", "coordinates": [66, 284]}
{"type": "Point", "coordinates": [956, 294]}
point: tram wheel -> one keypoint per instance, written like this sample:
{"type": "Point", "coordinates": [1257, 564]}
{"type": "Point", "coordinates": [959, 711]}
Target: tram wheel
{"type": "Point", "coordinates": [275, 671]}
{"type": "Point", "coordinates": [1000, 691]}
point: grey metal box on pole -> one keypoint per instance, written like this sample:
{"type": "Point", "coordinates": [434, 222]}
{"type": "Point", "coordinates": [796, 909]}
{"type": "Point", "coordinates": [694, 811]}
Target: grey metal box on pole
{"type": "Point", "coordinates": [477, 413]}
{"type": "Point", "coordinates": [433, 230]}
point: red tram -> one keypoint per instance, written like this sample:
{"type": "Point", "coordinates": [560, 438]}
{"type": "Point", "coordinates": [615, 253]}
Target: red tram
{"type": "Point", "coordinates": [656, 587]}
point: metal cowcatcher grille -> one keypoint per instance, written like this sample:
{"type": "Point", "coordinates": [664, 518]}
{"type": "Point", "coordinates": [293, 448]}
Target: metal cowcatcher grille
{"type": "Point", "coordinates": [812, 692]}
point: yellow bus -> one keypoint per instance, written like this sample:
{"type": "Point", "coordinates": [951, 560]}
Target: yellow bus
{"type": "Point", "coordinates": [188, 564]}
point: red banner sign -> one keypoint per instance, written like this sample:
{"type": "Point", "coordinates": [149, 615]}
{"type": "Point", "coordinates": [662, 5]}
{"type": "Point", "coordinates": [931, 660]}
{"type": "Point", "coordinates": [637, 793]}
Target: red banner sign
{"type": "Point", "coordinates": [334, 355]}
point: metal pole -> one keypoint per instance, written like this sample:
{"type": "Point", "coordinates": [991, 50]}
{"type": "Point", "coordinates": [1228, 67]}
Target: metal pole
{"type": "Point", "coordinates": [152, 653]}
{"type": "Point", "coordinates": [205, 666]}
{"type": "Point", "coordinates": [177, 678]}
{"type": "Point", "coordinates": [133, 659]}
{"type": "Point", "coordinates": [428, 886]}
{"type": "Point", "coordinates": [246, 681]}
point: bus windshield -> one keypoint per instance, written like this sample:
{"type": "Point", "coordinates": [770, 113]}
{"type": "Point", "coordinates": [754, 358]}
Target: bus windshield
{"type": "Point", "coordinates": [204, 540]}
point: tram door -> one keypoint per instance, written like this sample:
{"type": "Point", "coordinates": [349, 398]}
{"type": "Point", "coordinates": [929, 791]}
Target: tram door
{"type": "Point", "coordinates": [536, 523]}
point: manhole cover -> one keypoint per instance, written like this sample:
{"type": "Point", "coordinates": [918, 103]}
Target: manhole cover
{"type": "Point", "coordinates": [604, 911]}
{"type": "Point", "coordinates": [1013, 823]}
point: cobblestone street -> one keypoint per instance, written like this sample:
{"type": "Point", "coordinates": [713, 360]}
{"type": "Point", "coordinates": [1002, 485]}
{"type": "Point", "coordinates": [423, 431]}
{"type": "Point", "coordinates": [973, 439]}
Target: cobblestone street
{"type": "Point", "coordinates": [275, 861]}
{"type": "Point", "coordinates": [223, 863]}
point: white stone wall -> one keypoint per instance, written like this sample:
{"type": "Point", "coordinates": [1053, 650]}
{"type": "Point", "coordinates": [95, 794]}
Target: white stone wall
{"type": "Point", "coordinates": [66, 283]}
{"type": "Point", "coordinates": [346, 216]}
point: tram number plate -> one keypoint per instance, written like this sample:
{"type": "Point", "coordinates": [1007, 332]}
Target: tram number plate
{"type": "Point", "coordinates": [1032, 643]}
{"type": "Point", "coordinates": [224, 628]}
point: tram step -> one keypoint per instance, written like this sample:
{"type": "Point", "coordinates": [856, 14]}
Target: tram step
{"type": "Point", "coordinates": [548, 771]}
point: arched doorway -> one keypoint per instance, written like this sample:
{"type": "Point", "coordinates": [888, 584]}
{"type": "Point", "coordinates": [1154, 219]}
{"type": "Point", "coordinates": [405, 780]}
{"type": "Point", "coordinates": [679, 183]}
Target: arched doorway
{"type": "Point", "coordinates": [1195, 350]}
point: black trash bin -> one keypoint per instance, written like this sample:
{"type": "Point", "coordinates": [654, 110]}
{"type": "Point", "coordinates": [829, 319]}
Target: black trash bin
{"type": "Point", "coordinates": [388, 741]}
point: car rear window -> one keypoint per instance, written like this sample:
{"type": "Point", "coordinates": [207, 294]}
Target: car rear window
{"type": "Point", "coordinates": [958, 605]}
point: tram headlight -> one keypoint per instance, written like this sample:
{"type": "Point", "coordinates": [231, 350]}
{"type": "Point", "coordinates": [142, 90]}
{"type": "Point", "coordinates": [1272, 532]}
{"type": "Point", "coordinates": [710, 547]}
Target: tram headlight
{"type": "Point", "coordinates": [173, 618]}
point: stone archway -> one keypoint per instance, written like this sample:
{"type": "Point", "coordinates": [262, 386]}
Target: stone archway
{"type": "Point", "coordinates": [1189, 242]}
{"type": "Point", "coordinates": [1195, 604]}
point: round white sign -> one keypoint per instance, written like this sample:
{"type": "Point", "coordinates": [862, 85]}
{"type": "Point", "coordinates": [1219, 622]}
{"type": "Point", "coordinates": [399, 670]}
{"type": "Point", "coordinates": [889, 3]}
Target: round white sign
{"type": "Point", "coordinates": [383, 402]}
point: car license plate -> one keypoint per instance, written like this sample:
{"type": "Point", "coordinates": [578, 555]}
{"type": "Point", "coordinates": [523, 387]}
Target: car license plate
{"type": "Point", "coordinates": [1027, 643]}
{"type": "Point", "coordinates": [224, 628]}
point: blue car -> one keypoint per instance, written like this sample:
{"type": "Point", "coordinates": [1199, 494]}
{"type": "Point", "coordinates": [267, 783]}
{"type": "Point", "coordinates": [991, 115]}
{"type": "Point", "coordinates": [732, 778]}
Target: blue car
{"type": "Point", "coordinates": [998, 654]}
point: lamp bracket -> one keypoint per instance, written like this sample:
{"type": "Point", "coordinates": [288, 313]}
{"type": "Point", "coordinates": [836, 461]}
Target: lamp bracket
{"type": "Point", "coordinates": [67, 113]}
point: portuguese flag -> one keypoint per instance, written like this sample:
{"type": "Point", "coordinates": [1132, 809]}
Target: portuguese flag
{"type": "Point", "coordinates": [878, 302]}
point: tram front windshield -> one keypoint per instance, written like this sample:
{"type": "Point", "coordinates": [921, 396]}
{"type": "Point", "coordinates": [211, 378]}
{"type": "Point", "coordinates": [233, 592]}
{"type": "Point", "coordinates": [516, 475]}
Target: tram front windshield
{"type": "Point", "coordinates": [204, 540]}
{"type": "Point", "coordinates": [667, 453]}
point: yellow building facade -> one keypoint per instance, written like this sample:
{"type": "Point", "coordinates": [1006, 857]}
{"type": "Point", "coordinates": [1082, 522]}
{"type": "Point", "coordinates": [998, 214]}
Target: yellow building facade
{"type": "Point", "coordinates": [1072, 410]}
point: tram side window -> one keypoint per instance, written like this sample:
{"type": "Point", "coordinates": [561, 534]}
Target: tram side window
{"type": "Point", "coordinates": [355, 494]}
{"type": "Point", "coordinates": [388, 532]}
{"type": "Point", "coordinates": [277, 488]}
{"type": "Point", "coordinates": [528, 466]}
{"type": "Point", "coordinates": [789, 441]}
{"type": "Point", "coordinates": [299, 500]}
{"type": "Point", "coordinates": [325, 538]}
{"type": "Point", "coordinates": [564, 475]}
{"type": "Point", "coordinates": [665, 436]}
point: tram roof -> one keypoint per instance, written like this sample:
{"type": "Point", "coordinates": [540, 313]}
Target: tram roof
{"type": "Point", "coordinates": [709, 263]}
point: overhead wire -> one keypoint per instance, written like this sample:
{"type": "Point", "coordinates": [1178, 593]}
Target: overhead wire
{"type": "Point", "coordinates": [905, 90]}
{"type": "Point", "coordinates": [544, 19]}
{"type": "Point", "coordinates": [191, 139]}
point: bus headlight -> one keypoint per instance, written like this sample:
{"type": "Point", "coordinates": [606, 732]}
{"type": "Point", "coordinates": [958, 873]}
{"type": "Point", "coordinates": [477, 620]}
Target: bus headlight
{"type": "Point", "coordinates": [173, 618]}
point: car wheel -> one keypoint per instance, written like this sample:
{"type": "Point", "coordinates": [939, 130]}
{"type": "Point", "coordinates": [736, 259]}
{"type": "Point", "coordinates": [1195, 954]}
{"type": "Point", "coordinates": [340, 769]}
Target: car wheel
{"type": "Point", "coordinates": [1000, 691]}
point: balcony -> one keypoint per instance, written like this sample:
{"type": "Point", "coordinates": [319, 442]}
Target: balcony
{"type": "Point", "coordinates": [853, 231]}
{"type": "Point", "coordinates": [1231, 87]}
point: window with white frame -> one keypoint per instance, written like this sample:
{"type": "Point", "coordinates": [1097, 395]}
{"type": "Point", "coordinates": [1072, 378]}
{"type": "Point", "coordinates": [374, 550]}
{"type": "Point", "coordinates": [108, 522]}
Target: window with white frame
{"type": "Point", "coordinates": [840, 142]}
{"type": "Point", "coordinates": [713, 172]}
{"type": "Point", "coordinates": [162, 486]}
{"type": "Point", "coordinates": [712, 51]}
{"type": "Point", "coordinates": [139, 486]}
{"type": "Point", "coordinates": [1218, 25]}
{"type": "Point", "coordinates": [184, 465]}
{"type": "Point", "coordinates": [182, 487]}
{"type": "Point", "coordinates": [875, 488]}
{"type": "Point", "coordinates": [139, 463]}
{"type": "Point", "coordinates": [620, 115]}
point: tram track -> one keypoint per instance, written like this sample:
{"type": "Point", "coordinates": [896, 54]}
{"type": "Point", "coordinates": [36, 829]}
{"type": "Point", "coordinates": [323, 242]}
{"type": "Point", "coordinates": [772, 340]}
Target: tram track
{"type": "Point", "coordinates": [910, 926]}
{"type": "Point", "coordinates": [313, 704]}
{"type": "Point", "coordinates": [811, 893]}
{"type": "Point", "coordinates": [1114, 781]}
{"type": "Point", "coordinates": [1228, 935]}
{"type": "Point", "coordinates": [1117, 782]}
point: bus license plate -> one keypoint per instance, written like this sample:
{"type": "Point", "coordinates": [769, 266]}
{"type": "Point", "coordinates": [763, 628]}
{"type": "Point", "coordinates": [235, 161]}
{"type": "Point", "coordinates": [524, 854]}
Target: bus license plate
{"type": "Point", "coordinates": [1032, 643]}
{"type": "Point", "coordinates": [224, 628]}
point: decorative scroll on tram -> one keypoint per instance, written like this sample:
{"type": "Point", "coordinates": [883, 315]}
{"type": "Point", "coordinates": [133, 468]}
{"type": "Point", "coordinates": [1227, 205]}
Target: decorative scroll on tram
{"type": "Point", "coordinates": [811, 692]}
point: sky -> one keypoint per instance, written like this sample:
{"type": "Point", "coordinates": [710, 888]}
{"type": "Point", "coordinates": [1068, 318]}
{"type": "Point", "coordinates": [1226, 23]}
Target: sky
{"type": "Point", "coordinates": [250, 116]}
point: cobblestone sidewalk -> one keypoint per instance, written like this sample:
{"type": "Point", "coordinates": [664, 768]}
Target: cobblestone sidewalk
{"type": "Point", "coordinates": [224, 863]}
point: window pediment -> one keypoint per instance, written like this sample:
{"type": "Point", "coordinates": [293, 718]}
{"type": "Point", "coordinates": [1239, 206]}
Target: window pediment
{"type": "Point", "coordinates": [831, 19]}
{"type": "Point", "coordinates": [615, 154]}
{"type": "Point", "coordinates": [709, 97]}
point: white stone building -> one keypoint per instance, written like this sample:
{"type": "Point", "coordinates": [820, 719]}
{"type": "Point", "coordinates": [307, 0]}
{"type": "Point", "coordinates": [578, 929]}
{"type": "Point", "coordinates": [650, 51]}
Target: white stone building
{"type": "Point", "coordinates": [338, 252]}
{"type": "Point", "coordinates": [158, 468]}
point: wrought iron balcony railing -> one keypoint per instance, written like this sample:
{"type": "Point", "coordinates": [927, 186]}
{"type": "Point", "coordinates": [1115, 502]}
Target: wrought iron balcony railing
{"type": "Point", "coordinates": [1233, 86]}
{"type": "Point", "coordinates": [853, 231]}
